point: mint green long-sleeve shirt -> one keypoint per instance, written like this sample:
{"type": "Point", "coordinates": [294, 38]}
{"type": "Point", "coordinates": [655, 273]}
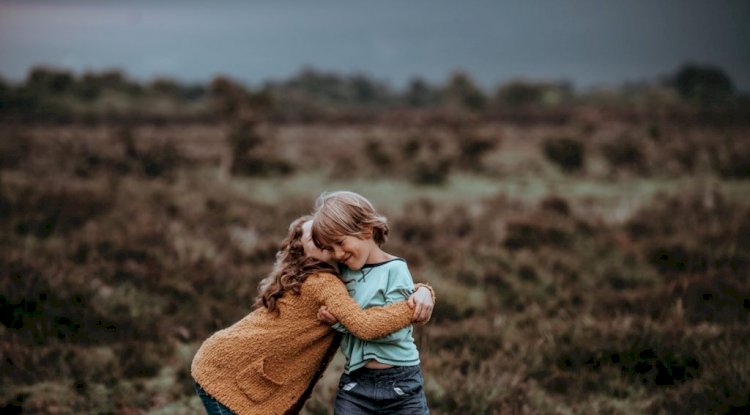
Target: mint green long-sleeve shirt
{"type": "Point", "coordinates": [377, 285]}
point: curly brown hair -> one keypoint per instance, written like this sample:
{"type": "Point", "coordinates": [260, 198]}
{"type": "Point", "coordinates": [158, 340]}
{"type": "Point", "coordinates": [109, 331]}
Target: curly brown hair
{"type": "Point", "coordinates": [291, 269]}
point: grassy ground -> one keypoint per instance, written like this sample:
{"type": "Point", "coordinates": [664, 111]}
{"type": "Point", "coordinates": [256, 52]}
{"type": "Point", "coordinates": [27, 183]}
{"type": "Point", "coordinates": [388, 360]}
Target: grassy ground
{"type": "Point", "coordinates": [613, 284]}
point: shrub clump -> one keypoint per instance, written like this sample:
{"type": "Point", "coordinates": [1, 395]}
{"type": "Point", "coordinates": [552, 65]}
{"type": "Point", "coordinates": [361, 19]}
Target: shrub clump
{"type": "Point", "coordinates": [252, 153]}
{"type": "Point", "coordinates": [46, 209]}
{"type": "Point", "coordinates": [536, 231]}
{"type": "Point", "coordinates": [567, 153]}
{"type": "Point", "coordinates": [626, 153]}
{"type": "Point", "coordinates": [428, 163]}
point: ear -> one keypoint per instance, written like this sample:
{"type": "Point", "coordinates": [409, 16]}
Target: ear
{"type": "Point", "coordinates": [366, 234]}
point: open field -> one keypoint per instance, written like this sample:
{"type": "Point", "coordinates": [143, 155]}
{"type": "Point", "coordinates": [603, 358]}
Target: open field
{"type": "Point", "coordinates": [586, 265]}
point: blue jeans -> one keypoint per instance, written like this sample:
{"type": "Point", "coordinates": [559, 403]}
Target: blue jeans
{"type": "Point", "coordinates": [397, 390]}
{"type": "Point", "coordinates": [213, 407]}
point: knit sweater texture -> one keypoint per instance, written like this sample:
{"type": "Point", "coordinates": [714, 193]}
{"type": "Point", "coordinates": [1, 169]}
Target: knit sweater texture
{"type": "Point", "coordinates": [264, 363]}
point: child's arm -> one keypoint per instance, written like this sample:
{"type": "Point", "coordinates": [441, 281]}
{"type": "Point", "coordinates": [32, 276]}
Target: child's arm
{"type": "Point", "coordinates": [422, 301]}
{"type": "Point", "coordinates": [398, 287]}
{"type": "Point", "coordinates": [368, 324]}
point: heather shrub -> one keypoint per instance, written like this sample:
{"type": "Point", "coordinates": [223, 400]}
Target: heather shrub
{"type": "Point", "coordinates": [56, 207]}
{"type": "Point", "coordinates": [567, 153]}
{"type": "Point", "coordinates": [731, 157]}
{"type": "Point", "coordinates": [378, 154]}
{"type": "Point", "coordinates": [723, 384]}
{"type": "Point", "coordinates": [626, 153]}
{"type": "Point", "coordinates": [15, 147]}
{"type": "Point", "coordinates": [597, 359]}
{"type": "Point", "coordinates": [718, 242]}
{"type": "Point", "coordinates": [252, 153]}
{"type": "Point", "coordinates": [159, 159]}
{"type": "Point", "coordinates": [472, 147]}
{"type": "Point", "coordinates": [556, 204]}
{"type": "Point", "coordinates": [537, 230]}
{"type": "Point", "coordinates": [123, 246]}
{"type": "Point", "coordinates": [427, 160]}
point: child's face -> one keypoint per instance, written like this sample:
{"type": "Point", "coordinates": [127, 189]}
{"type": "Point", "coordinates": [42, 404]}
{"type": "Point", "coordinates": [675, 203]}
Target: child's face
{"type": "Point", "coordinates": [352, 251]}
{"type": "Point", "coordinates": [310, 249]}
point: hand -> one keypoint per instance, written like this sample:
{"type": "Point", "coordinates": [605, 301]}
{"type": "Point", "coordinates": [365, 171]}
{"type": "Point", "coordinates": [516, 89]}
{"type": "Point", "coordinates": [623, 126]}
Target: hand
{"type": "Point", "coordinates": [326, 317]}
{"type": "Point", "coordinates": [421, 302]}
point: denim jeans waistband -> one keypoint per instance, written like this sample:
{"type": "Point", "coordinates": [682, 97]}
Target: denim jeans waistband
{"type": "Point", "coordinates": [385, 375]}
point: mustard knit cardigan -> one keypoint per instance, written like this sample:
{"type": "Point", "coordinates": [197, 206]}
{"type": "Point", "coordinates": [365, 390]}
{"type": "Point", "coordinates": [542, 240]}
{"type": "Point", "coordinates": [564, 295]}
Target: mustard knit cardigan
{"type": "Point", "coordinates": [264, 363]}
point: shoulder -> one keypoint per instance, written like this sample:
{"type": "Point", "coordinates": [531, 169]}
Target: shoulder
{"type": "Point", "coordinates": [397, 265]}
{"type": "Point", "coordinates": [398, 273]}
{"type": "Point", "coordinates": [321, 285]}
{"type": "Point", "coordinates": [320, 279]}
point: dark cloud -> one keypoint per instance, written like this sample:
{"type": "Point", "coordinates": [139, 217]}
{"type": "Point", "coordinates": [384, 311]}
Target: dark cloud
{"type": "Point", "coordinates": [587, 42]}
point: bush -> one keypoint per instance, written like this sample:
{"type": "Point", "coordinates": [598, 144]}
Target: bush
{"type": "Point", "coordinates": [159, 159]}
{"type": "Point", "coordinates": [427, 162]}
{"type": "Point", "coordinates": [44, 210]}
{"type": "Point", "coordinates": [567, 153]}
{"type": "Point", "coordinates": [253, 154]}
{"type": "Point", "coordinates": [723, 384]}
{"type": "Point", "coordinates": [472, 148]}
{"type": "Point", "coordinates": [614, 361]}
{"type": "Point", "coordinates": [536, 231]}
{"type": "Point", "coordinates": [15, 147]}
{"type": "Point", "coordinates": [704, 85]}
{"type": "Point", "coordinates": [625, 153]}
{"type": "Point", "coordinates": [716, 244]}
{"type": "Point", "coordinates": [730, 157]}
{"type": "Point", "coordinates": [378, 154]}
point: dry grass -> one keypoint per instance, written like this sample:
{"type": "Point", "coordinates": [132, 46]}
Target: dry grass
{"type": "Point", "coordinates": [620, 287]}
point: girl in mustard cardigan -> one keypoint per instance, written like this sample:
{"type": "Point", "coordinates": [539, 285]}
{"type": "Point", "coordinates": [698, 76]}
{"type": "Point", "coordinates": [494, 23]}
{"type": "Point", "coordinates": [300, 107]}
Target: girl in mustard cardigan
{"type": "Point", "coordinates": [268, 362]}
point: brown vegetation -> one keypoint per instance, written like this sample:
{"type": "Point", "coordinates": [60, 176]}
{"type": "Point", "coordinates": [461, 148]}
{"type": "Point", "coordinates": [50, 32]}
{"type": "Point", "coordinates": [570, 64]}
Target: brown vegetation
{"type": "Point", "coordinates": [594, 264]}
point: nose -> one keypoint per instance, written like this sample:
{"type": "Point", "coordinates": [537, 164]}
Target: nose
{"type": "Point", "coordinates": [338, 253]}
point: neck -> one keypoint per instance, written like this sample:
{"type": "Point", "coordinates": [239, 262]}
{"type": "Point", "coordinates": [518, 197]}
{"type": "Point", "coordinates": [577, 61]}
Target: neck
{"type": "Point", "coordinates": [378, 255]}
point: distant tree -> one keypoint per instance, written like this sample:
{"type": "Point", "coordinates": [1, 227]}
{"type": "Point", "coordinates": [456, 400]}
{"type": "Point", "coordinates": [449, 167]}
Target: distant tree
{"type": "Point", "coordinates": [705, 85]}
{"type": "Point", "coordinates": [227, 96]}
{"type": "Point", "coordinates": [366, 91]}
{"type": "Point", "coordinates": [324, 86]}
{"type": "Point", "coordinates": [420, 94]}
{"type": "Point", "coordinates": [176, 90]}
{"type": "Point", "coordinates": [166, 86]}
{"type": "Point", "coordinates": [519, 94]}
{"type": "Point", "coordinates": [49, 80]}
{"type": "Point", "coordinates": [92, 84]}
{"type": "Point", "coordinates": [462, 91]}
{"type": "Point", "coordinates": [525, 93]}
{"type": "Point", "coordinates": [5, 92]}
{"type": "Point", "coordinates": [333, 89]}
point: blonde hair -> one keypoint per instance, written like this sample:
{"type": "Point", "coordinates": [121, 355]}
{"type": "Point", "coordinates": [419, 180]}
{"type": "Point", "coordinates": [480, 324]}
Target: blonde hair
{"type": "Point", "coordinates": [346, 213]}
{"type": "Point", "coordinates": [291, 269]}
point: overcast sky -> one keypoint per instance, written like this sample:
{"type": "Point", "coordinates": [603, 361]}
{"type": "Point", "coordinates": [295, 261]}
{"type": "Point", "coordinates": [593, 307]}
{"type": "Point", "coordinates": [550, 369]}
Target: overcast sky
{"type": "Point", "coordinates": [587, 42]}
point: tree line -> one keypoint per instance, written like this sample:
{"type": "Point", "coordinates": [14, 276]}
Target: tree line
{"type": "Point", "coordinates": [55, 94]}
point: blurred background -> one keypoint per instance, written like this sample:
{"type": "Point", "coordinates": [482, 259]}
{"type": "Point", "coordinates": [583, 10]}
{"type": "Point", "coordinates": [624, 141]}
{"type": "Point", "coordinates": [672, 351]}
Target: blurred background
{"type": "Point", "coordinates": [571, 177]}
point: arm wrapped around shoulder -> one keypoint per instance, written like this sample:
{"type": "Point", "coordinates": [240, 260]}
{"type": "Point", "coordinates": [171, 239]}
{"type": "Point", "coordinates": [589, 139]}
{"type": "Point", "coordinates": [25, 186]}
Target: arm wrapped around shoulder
{"type": "Point", "coordinates": [368, 324]}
